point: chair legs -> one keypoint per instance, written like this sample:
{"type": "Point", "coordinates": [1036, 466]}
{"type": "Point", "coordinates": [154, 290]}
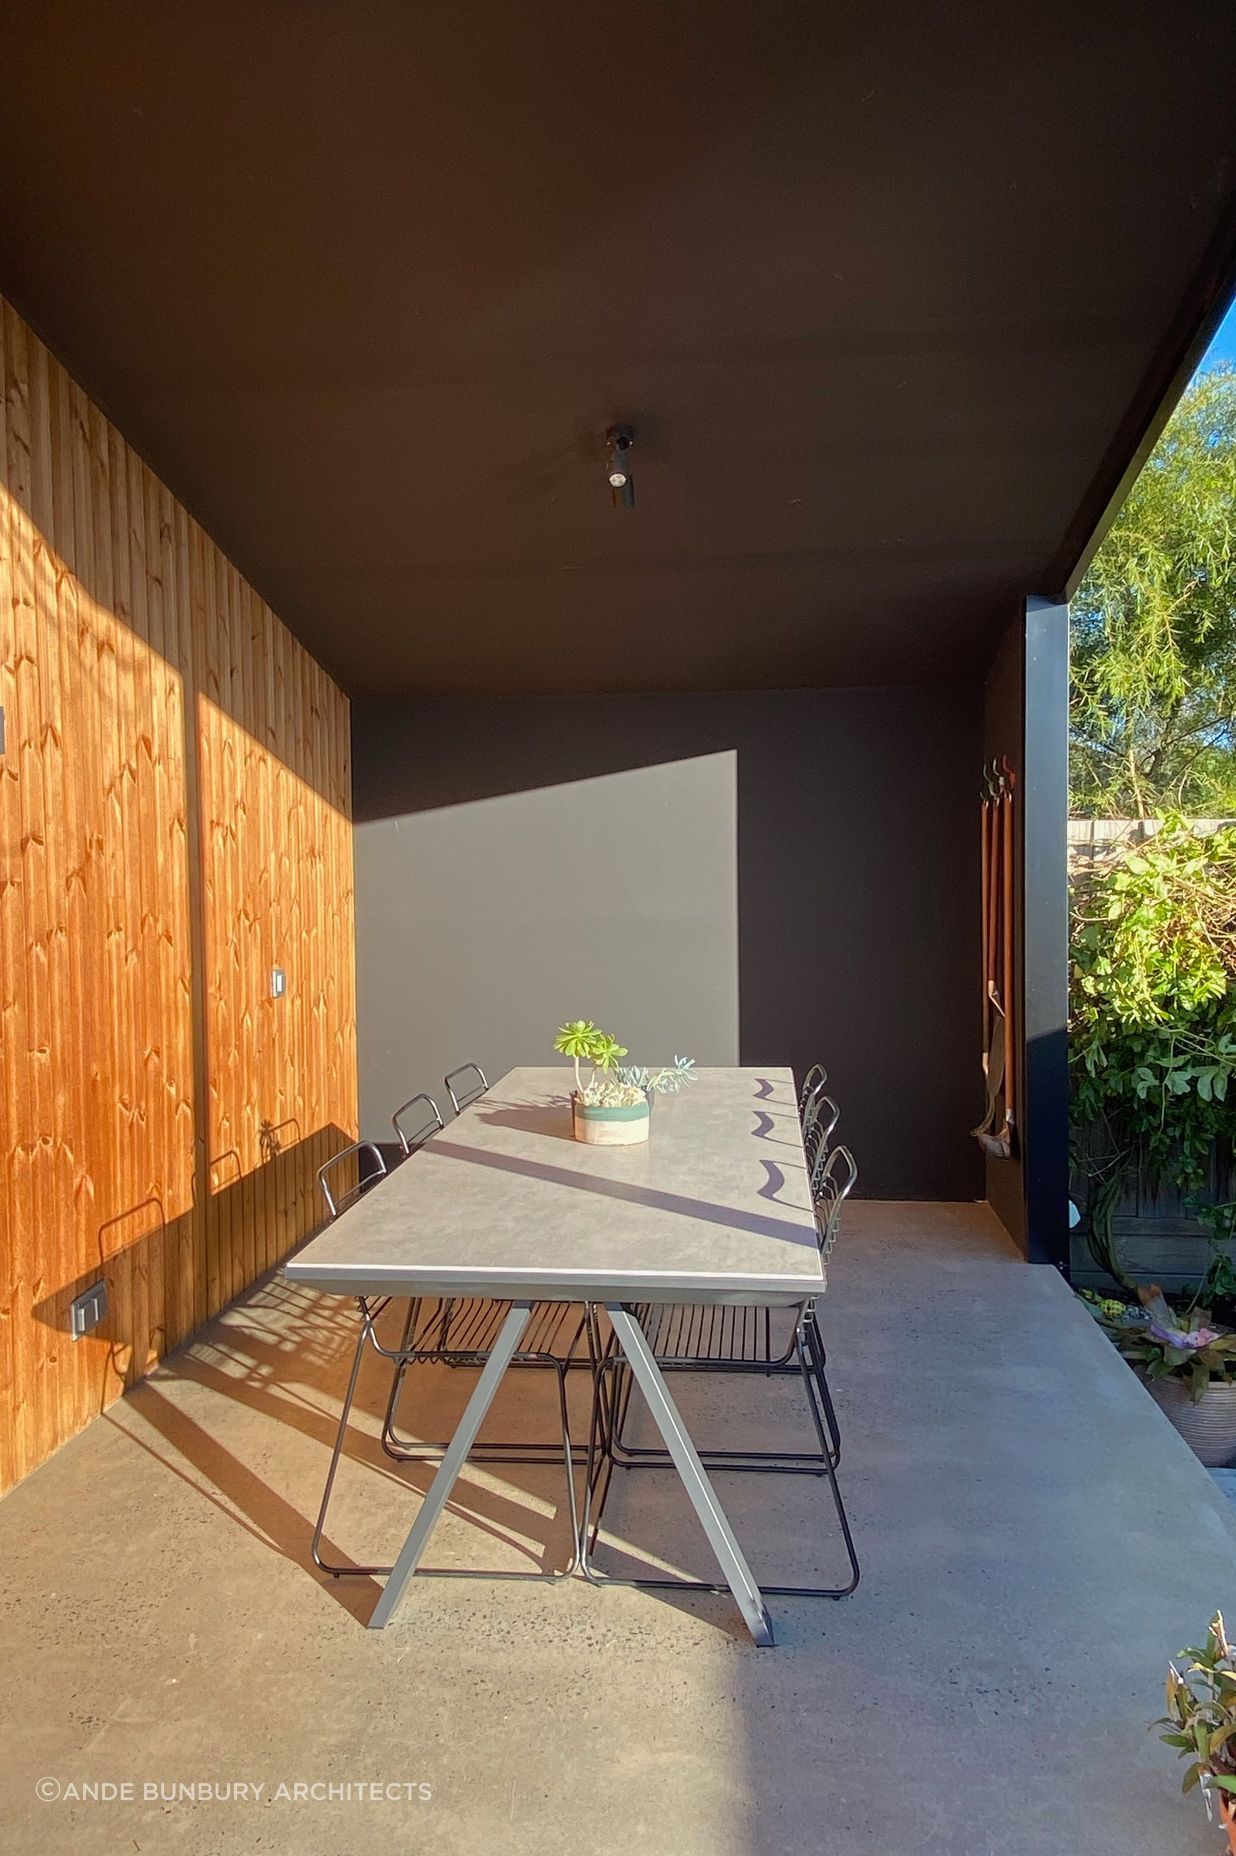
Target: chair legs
{"type": "Point", "coordinates": [401, 1358]}
{"type": "Point", "coordinates": [414, 1450]}
{"type": "Point", "coordinates": [772, 1462]}
{"type": "Point", "coordinates": [826, 1398]}
{"type": "Point", "coordinates": [408, 1450]}
{"type": "Point", "coordinates": [606, 1452]}
{"type": "Point", "coordinates": [811, 1360]}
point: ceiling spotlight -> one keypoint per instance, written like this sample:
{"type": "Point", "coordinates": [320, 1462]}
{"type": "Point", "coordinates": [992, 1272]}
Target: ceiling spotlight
{"type": "Point", "coordinates": [619, 440]}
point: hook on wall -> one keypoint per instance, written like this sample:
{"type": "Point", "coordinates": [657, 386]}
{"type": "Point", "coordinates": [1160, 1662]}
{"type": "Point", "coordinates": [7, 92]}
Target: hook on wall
{"type": "Point", "coordinates": [618, 441]}
{"type": "Point", "coordinates": [998, 778]}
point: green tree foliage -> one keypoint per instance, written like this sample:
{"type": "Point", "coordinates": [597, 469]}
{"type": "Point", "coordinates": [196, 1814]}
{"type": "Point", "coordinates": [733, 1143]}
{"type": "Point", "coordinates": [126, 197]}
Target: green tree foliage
{"type": "Point", "coordinates": [1152, 1021]}
{"type": "Point", "coordinates": [1154, 629]}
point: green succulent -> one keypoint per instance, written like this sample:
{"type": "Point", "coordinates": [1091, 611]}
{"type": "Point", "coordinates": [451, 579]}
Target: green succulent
{"type": "Point", "coordinates": [606, 1052]}
{"type": "Point", "coordinates": [611, 1085]}
{"type": "Point", "coordinates": [667, 1080]}
{"type": "Point", "coordinates": [576, 1038]}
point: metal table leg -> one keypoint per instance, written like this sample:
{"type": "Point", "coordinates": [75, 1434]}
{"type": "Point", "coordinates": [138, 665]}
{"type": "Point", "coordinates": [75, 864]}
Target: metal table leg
{"type": "Point", "coordinates": [438, 1492]}
{"type": "Point", "coordinates": [738, 1575]}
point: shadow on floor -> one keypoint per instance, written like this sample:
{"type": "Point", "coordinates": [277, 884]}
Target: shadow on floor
{"type": "Point", "coordinates": [283, 1355]}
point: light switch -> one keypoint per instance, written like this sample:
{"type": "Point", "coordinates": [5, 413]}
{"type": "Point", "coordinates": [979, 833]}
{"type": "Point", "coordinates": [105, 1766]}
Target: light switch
{"type": "Point", "coordinates": [278, 982]}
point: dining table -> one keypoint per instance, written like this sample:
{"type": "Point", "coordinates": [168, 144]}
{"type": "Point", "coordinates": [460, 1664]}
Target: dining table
{"type": "Point", "coordinates": [504, 1203]}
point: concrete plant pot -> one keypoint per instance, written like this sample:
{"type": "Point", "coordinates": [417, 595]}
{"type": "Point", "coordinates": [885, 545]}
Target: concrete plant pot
{"type": "Point", "coordinates": [611, 1127]}
{"type": "Point", "coordinates": [1209, 1427]}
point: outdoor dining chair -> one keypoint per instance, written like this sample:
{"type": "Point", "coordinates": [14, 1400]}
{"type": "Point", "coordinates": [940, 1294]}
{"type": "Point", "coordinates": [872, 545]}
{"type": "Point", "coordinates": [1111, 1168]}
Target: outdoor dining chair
{"type": "Point", "coordinates": [818, 1133]}
{"type": "Point", "coordinates": [691, 1338]}
{"type": "Point", "coordinates": [466, 1327]}
{"type": "Point", "coordinates": [429, 1337]}
{"type": "Point", "coordinates": [835, 1181]}
{"type": "Point", "coordinates": [338, 1200]}
{"type": "Point", "coordinates": [815, 1079]}
{"type": "Point", "coordinates": [467, 1092]}
{"type": "Point", "coordinates": [414, 1131]}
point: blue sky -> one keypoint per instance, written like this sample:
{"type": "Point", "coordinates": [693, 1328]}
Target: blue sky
{"type": "Point", "coordinates": [1223, 347]}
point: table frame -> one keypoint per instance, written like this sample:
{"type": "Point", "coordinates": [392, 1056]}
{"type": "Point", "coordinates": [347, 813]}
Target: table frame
{"type": "Point", "coordinates": [685, 1457]}
{"type": "Point", "coordinates": [668, 1261]}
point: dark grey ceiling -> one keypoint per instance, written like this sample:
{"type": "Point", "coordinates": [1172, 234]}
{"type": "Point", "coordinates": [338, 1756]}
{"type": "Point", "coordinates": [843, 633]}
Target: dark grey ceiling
{"type": "Point", "coordinates": [888, 291]}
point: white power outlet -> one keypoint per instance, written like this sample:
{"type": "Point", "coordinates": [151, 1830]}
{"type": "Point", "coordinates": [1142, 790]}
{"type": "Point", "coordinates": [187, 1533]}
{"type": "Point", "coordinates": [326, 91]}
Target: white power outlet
{"type": "Point", "coordinates": [88, 1309]}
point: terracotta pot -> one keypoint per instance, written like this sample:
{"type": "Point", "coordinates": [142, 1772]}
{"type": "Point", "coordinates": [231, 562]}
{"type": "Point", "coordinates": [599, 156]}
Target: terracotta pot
{"type": "Point", "coordinates": [1227, 1817]}
{"type": "Point", "coordinates": [611, 1127]}
{"type": "Point", "coordinates": [1209, 1427]}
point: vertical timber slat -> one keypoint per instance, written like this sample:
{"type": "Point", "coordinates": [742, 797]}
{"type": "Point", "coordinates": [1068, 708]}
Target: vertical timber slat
{"type": "Point", "coordinates": [175, 805]}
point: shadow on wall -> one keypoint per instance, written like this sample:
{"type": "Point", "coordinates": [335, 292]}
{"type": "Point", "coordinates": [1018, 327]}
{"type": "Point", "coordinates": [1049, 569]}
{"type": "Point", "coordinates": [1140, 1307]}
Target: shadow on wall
{"type": "Point", "coordinates": [168, 1274]}
{"type": "Point", "coordinates": [764, 878]}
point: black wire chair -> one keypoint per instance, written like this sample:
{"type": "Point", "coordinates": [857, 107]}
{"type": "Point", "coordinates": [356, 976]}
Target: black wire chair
{"type": "Point", "coordinates": [607, 1450]}
{"type": "Point", "coordinates": [428, 1123]}
{"type": "Point", "coordinates": [463, 1329]}
{"type": "Point", "coordinates": [814, 1084]}
{"type": "Point", "coordinates": [451, 1333]}
{"type": "Point", "coordinates": [690, 1338]}
{"type": "Point", "coordinates": [468, 1092]}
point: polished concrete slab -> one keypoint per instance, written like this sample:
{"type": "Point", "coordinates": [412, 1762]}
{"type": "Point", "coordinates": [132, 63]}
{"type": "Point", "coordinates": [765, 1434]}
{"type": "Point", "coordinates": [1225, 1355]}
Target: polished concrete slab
{"type": "Point", "coordinates": [1035, 1539]}
{"type": "Point", "coordinates": [1225, 1480]}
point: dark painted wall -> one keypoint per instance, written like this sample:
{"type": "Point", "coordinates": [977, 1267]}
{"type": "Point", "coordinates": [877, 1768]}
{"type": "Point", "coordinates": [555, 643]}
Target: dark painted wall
{"type": "Point", "coordinates": [767, 878]}
{"type": "Point", "coordinates": [1025, 720]}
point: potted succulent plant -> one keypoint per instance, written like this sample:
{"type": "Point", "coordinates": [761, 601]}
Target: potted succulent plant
{"type": "Point", "coordinates": [614, 1107]}
{"type": "Point", "coordinates": [1188, 1363]}
{"type": "Point", "coordinates": [1201, 1722]}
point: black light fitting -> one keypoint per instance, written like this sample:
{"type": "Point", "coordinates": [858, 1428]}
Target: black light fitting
{"type": "Point", "coordinates": [619, 440]}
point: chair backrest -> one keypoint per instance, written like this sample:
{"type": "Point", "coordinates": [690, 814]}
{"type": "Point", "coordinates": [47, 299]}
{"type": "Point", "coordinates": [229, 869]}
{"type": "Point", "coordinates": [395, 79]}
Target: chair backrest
{"type": "Point", "coordinates": [334, 1205]}
{"type": "Point", "coordinates": [827, 1115]}
{"type": "Point", "coordinates": [468, 1091]}
{"type": "Point", "coordinates": [815, 1150]}
{"type": "Point", "coordinates": [813, 1083]}
{"type": "Point", "coordinates": [836, 1182]}
{"type": "Point", "coordinates": [414, 1133]}
{"type": "Point", "coordinates": [818, 1135]}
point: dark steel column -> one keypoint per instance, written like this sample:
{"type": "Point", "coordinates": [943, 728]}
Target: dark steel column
{"type": "Point", "coordinates": [1045, 921]}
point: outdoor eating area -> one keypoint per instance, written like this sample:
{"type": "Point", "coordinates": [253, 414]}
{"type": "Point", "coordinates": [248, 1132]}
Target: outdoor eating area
{"type": "Point", "coordinates": [509, 511]}
{"type": "Point", "coordinates": [503, 1242]}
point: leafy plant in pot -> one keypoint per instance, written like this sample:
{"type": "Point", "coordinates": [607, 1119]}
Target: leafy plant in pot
{"type": "Point", "coordinates": [1152, 1022]}
{"type": "Point", "coordinates": [614, 1107]}
{"type": "Point", "coordinates": [1189, 1366]}
{"type": "Point", "coordinates": [1201, 1722]}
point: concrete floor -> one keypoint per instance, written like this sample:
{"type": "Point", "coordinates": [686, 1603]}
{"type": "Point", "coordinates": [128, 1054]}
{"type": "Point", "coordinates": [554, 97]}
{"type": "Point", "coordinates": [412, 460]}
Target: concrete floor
{"type": "Point", "coordinates": [1036, 1542]}
{"type": "Point", "coordinates": [1225, 1481]}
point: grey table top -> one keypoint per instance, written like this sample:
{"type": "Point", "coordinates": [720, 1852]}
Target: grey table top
{"type": "Point", "coordinates": [504, 1202]}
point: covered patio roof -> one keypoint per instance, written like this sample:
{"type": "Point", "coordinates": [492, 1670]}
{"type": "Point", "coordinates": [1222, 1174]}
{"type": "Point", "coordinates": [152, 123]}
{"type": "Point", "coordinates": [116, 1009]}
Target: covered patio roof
{"type": "Point", "coordinates": [892, 299]}
{"type": "Point", "coordinates": [891, 296]}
